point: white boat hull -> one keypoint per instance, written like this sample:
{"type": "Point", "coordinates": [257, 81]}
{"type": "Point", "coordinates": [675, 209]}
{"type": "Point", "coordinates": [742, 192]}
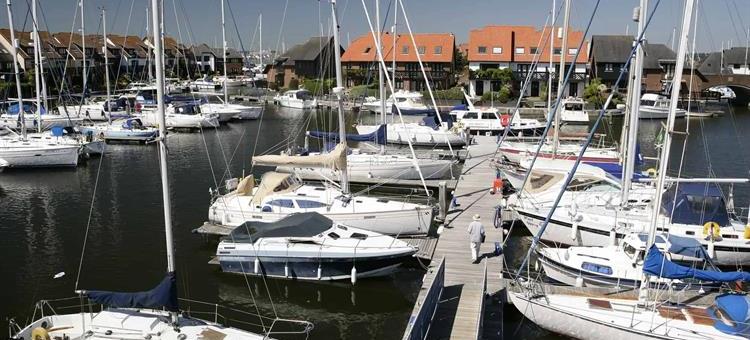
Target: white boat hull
{"type": "Point", "coordinates": [417, 134]}
{"type": "Point", "coordinates": [658, 113]}
{"type": "Point", "coordinates": [430, 170]}
{"type": "Point", "coordinates": [39, 157]}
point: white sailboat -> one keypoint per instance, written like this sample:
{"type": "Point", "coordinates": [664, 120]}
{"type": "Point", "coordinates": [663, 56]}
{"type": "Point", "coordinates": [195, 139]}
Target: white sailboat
{"type": "Point", "coordinates": [150, 314]}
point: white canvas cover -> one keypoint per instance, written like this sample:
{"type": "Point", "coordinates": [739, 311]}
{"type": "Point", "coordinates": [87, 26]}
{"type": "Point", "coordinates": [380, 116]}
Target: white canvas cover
{"type": "Point", "coordinates": [334, 160]}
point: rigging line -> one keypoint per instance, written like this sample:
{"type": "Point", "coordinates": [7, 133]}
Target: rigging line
{"type": "Point", "coordinates": [88, 222]}
{"type": "Point", "coordinates": [281, 30]}
{"type": "Point", "coordinates": [731, 19]}
{"type": "Point", "coordinates": [570, 175]}
{"type": "Point", "coordinates": [237, 30]}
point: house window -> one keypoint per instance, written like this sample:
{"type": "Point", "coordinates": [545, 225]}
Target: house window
{"type": "Point", "coordinates": [482, 49]}
{"type": "Point", "coordinates": [533, 50]}
{"type": "Point", "coordinates": [367, 49]}
{"type": "Point", "coordinates": [572, 51]}
{"type": "Point", "coordinates": [520, 50]}
{"type": "Point", "coordinates": [405, 49]}
{"type": "Point", "coordinates": [608, 67]}
{"type": "Point", "coordinates": [438, 49]}
{"type": "Point", "coordinates": [497, 50]}
{"type": "Point", "coordinates": [556, 51]}
{"type": "Point", "coordinates": [421, 49]}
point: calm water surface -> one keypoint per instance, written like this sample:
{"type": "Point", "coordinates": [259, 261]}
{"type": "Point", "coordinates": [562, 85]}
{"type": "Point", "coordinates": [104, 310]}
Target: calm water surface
{"type": "Point", "coordinates": [44, 216]}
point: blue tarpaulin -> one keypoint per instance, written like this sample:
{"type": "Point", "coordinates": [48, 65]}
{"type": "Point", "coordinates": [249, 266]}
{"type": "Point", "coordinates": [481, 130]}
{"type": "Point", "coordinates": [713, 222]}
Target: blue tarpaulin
{"type": "Point", "coordinates": [657, 264]}
{"type": "Point", "coordinates": [27, 108]}
{"type": "Point", "coordinates": [614, 169]}
{"type": "Point", "coordinates": [378, 136]}
{"type": "Point", "coordinates": [735, 307]}
{"type": "Point", "coordinates": [162, 296]}
{"type": "Point", "coordinates": [432, 120]}
{"type": "Point", "coordinates": [695, 203]}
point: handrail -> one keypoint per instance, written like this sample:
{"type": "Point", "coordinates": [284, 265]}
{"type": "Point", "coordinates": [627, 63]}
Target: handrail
{"type": "Point", "coordinates": [480, 316]}
{"type": "Point", "coordinates": [424, 311]}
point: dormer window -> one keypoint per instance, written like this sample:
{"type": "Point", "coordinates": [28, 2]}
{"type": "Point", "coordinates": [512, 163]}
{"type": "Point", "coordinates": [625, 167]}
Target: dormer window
{"type": "Point", "coordinates": [367, 49]}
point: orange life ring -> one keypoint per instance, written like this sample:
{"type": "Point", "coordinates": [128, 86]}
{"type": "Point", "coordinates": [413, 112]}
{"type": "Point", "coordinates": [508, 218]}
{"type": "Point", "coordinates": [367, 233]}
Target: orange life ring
{"type": "Point", "coordinates": [505, 120]}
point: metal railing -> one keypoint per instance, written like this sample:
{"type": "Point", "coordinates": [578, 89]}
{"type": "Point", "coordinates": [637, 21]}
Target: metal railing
{"type": "Point", "coordinates": [420, 319]}
{"type": "Point", "coordinates": [480, 317]}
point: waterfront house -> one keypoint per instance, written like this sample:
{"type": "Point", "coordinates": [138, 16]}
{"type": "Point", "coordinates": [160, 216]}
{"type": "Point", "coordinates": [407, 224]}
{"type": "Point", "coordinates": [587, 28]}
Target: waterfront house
{"type": "Point", "coordinates": [515, 48]}
{"type": "Point", "coordinates": [436, 50]}
{"type": "Point", "coordinates": [132, 56]}
{"type": "Point", "coordinates": [726, 62]}
{"type": "Point", "coordinates": [313, 59]}
{"type": "Point", "coordinates": [205, 58]}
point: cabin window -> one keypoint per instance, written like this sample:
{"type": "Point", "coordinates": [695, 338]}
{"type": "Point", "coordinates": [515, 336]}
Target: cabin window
{"type": "Point", "coordinates": [482, 49]}
{"type": "Point", "coordinates": [648, 102]}
{"type": "Point", "coordinates": [629, 250]}
{"type": "Point", "coordinates": [539, 181]}
{"type": "Point", "coordinates": [359, 236]}
{"type": "Point", "coordinates": [699, 204]}
{"type": "Point", "coordinates": [597, 268]}
{"type": "Point", "coordinates": [405, 49]}
{"type": "Point", "coordinates": [581, 184]}
{"type": "Point", "coordinates": [334, 235]}
{"type": "Point", "coordinates": [438, 49]}
{"type": "Point", "coordinates": [497, 50]}
{"type": "Point", "coordinates": [470, 115]}
{"type": "Point", "coordinates": [283, 203]}
{"type": "Point", "coordinates": [421, 49]}
{"type": "Point", "coordinates": [574, 106]}
{"type": "Point", "coordinates": [520, 50]}
{"type": "Point", "coordinates": [307, 204]}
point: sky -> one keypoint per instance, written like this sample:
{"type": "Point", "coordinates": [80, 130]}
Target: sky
{"type": "Point", "coordinates": [287, 22]}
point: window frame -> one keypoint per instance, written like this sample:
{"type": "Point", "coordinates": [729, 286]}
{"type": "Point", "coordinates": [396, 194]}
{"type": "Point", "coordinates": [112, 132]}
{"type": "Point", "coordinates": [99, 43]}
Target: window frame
{"type": "Point", "coordinates": [497, 50]}
{"type": "Point", "coordinates": [481, 49]}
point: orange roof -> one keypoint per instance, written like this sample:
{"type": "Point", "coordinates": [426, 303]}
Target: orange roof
{"type": "Point", "coordinates": [438, 47]}
{"type": "Point", "coordinates": [500, 43]}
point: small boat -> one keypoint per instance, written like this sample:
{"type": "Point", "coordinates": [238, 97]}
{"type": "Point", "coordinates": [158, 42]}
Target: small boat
{"type": "Point", "coordinates": [131, 129]}
{"type": "Point", "coordinates": [11, 119]}
{"type": "Point", "coordinates": [573, 111]}
{"type": "Point", "coordinates": [229, 82]}
{"type": "Point", "coordinates": [204, 84]}
{"type": "Point", "coordinates": [309, 246]}
{"type": "Point", "coordinates": [488, 120]}
{"type": "Point", "coordinates": [182, 116]}
{"type": "Point", "coordinates": [95, 110]}
{"type": "Point", "coordinates": [656, 106]}
{"type": "Point", "coordinates": [296, 99]}
{"type": "Point", "coordinates": [517, 150]}
{"type": "Point", "coordinates": [408, 102]}
{"type": "Point", "coordinates": [430, 133]}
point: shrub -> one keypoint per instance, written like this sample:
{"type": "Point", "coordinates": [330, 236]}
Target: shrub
{"type": "Point", "coordinates": [294, 84]}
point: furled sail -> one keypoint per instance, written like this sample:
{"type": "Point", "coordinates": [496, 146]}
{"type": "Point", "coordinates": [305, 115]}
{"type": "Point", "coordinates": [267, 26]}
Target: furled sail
{"type": "Point", "coordinates": [162, 296]}
{"type": "Point", "coordinates": [335, 160]}
{"type": "Point", "coordinates": [378, 136]}
{"type": "Point", "coordinates": [657, 264]}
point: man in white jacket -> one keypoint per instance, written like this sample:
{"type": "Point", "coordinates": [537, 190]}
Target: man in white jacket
{"type": "Point", "coordinates": [476, 234]}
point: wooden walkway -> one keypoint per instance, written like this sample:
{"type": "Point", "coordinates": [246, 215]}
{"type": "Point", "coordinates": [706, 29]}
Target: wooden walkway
{"type": "Point", "coordinates": [460, 312]}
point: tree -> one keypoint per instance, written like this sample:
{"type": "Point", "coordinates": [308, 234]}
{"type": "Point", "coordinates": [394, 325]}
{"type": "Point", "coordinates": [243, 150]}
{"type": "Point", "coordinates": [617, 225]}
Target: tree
{"type": "Point", "coordinates": [593, 93]}
{"type": "Point", "coordinates": [293, 84]}
{"type": "Point", "coordinates": [543, 91]}
{"type": "Point", "coordinates": [461, 61]}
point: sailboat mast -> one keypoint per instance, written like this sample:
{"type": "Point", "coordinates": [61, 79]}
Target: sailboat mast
{"type": "Point", "coordinates": [14, 51]}
{"type": "Point", "coordinates": [339, 91]}
{"type": "Point", "coordinates": [83, 45]}
{"type": "Point", "coordinates": [381, 86]}
{"type": "Point", "coordinates": [551, 53]}
{"type": "Point", "coordinates": [260, 40]}
{"type": "Point", "coordinates": [37, 67]}
{"type": "Point", "coordinates": [107, 105]}
{"type": "Point", "coordinates": [394, 36]}
{"type": "Point", "coordinates": [635, 101]}
{"type": "Point", "coordinates": [561, 75]}
{"type": "Point", "coordinates": [158, 50]}
{"type": "Point", "coordinates": [224, 52]}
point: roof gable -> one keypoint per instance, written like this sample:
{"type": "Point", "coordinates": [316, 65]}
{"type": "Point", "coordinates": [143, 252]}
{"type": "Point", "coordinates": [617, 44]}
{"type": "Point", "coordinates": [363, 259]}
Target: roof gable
{"type": "Point", "coordinates": [438, 47]}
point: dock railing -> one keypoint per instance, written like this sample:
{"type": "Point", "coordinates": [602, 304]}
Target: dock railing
{"type": "Point", "coordinates": [421, 317]}
{"type": "Point", "coordinates": [480, 317]}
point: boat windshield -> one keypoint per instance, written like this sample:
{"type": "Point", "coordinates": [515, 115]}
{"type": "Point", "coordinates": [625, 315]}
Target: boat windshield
{"type": "Point", "coordinates": [304, 95]}
{"type": "Point", "coordinates": [648, 103]}
{"type": "Point", "coordinates": [574, 107]}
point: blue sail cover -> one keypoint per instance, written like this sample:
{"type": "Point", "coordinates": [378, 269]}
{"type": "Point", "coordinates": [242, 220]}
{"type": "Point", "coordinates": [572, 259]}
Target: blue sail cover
{"type": "Point", "coordinates": [695, 203]}
{"type": "Point", "coordinates": [378, 136]}
{"type": "Point", "coordinates": [615, 169]}
{"type": "Point", "coordinates": [162, 296]}
{"type": "Point", "coordinates": [432, 120]}
{"type": "Point", "coordinates": [735, 307]}
{"type": "Point", "coordinates": [27, 108]}
{"type": "Point", "coordinates": [656, 264]}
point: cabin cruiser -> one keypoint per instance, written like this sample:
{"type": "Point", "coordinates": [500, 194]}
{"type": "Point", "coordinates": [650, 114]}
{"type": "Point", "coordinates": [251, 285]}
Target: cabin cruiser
{"type": "Point", "coordinates": [409, 103]}
{"type": "Point", "coordinates": [656, 106]}
{"type": "Point", "coordinates": [229, 82]}
{"type": "Point", "coordinates": [204, 83]}
{"type": "Point", "coordinates": [573, 111]}
{"type": "Point", "coordinates": [182, 116]}
{"type": "Point", "coordinates": [296, 99]}
{"type": "Point", "coordinates": [488, 120]}
{"type": "Point", "coordinates": [229, 111]}
{"type": "Point", "coordinates": [130, 129]}
{"type": "Point", "coordinates": [309, 246]}
{"type": "Point", "coordinates": [279, 195]}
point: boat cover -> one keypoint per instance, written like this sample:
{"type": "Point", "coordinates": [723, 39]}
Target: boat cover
{"type": "Point", "coordinates": [432, 120]}
{"type": "Point", "coordinates": [271, 182]}
{"type": "Point", "coordinates": [695, 203]}
{"type": "Point", "coordinates": [27, 108]}
{"type": "Point", "coordinates": [162, 296]}
{"type": "Point", "coordinates": [334, 160]}
{"type": "Point", "coordinates": [656, 264]}
{"type": "Point", "coordinates": [736, 308]}
{"type": "Point", "coordinates": [295, 225]}
{"type": "Point", "coordinates": [378, 136]}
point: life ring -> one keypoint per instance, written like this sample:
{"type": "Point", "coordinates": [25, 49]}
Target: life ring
{"type": "Point", "coordinates": [39, 333]}
{"type": "Point", "coordinates": [505, 120]}
{"type": "Point", "coordinates": [651, 172]}
{"type": "Point", "coordinates": [713, 229]}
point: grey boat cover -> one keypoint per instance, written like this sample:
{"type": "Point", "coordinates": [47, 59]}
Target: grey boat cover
{"type": "Point", "coordinates": [295, 225]}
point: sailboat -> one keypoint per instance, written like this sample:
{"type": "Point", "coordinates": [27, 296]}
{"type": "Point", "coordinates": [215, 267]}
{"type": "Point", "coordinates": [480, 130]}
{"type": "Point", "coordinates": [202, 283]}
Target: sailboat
{"type": "Point", "coordinates": [150, 314]}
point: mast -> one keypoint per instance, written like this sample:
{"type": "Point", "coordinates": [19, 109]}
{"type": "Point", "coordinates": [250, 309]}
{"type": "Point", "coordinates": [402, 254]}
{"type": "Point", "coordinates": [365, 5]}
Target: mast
{"type": "Point", "coordinates": [163, 166]}
{"type": "Point", "coordinates": [561, 76]}
{"type": "Point", "coordinates": [107, 104]}
{"type": "Point", "coordinates": [394, 36]}
{"type": "Point", "coordinates": [14, 51]}
{"type": "Point", "coordinates": [664, 158]}
{"type": "Point", "coordinates": [551, 53]}
{"type": "Point", "coordinates": [37, 66]}
{"type": "Point", "coordinates": [83, 44]}
{"type": "Point", "coordinates": [260, 40]}
{"type": "Point", "coordinates": [635, 103]}
{"type": "Point", "coordinates": [339, 91]}
{"type": "Point", "coordinates": [224, 51]}
{"type": "Point", "coordinates": [381, 86]}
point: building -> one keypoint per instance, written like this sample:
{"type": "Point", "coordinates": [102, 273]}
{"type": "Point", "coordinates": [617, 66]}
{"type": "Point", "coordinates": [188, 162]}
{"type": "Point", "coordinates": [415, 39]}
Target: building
{"type": "Point", "coordinates": [436, 50]}
{"type": "Point", "coordinates": [312, 59]}
{"type": "Point", "coordinates": [516, 48]}
{"type": "Point", "coordinates": [726, 62]}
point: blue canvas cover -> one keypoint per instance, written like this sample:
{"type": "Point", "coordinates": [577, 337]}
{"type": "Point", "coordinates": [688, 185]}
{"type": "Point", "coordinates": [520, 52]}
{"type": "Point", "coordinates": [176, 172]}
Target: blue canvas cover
{"type": "Point", "coordinates": [686, 246]}
{"type": "Point", "coordinates": [695, 203]}
{"type": "Point", "coordinates": [615, 169]}
{"type": "Point", "coordinates": [735, 307]}
{"type": "Point", "coordinates": [378, 136]}
{"type": "Point", "coordinates": [656, 264]}
{"type": "Point", "coordinates": [162, 296]}
{"type": "Point", "coordinates": [27, 108]}
{"type": "Point", "coordinates": [432, 120]}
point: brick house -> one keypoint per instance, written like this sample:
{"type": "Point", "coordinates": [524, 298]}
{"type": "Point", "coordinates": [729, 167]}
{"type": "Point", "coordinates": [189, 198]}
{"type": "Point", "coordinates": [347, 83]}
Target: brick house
{"type": "Point", "coordinates": [312, 59]}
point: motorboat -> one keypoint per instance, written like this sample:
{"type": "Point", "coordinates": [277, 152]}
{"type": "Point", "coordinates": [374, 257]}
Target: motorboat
{"type": "Point", "coordinates": [182, 116]}
{"type": "Point", "coordinates": [309, 246]}
{"type": "Point", "coordinates": [656, 106]}
{"type": "Point", "coordinates": [489, 120]}
{"type": "Point", "coordinates": [204, 83]}
{"type": "Point", "coordinates": [573, 112]}
{"type": "Point", "coordinates": [3, 164]}
{"type": "Point", "coordinates": [296, 99]}
{"type": "Point", "coordinates": [409, 103]}
{"type": "Point", "coordinates": [130, 129]}
{"type": "Point", "coordinates": [229, 82]}
{"type": "Point", "coordinates": [229, 111]}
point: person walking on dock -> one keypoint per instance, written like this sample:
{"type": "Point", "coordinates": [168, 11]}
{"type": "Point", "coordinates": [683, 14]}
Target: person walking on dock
{"type": "Point", "coordinates": [476, 237]}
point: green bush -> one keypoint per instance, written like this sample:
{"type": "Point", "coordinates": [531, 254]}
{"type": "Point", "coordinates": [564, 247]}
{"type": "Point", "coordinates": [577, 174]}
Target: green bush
{"type": "Point", "coordinates": [593, 94]}
{"type": "Point", "coordinates": [317, 86]}
{"type": "Point", "coordinates": [453, 93]}
{"type": "Point", "coordinates": [294, 84]}
{"type": "Point", "coordinates": [502, 96]}
{"type": "Point", "coordinates": [362, 91]}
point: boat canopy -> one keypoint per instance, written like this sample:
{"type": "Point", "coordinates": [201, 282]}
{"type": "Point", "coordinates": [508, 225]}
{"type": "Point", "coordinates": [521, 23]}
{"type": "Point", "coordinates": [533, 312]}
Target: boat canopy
{"type": "Point", "coordinates": [378, 136]}
{"type": "Point", "coordinates": [295, 225]}
{"type": "Point", "coordinates": [695, 203]}
{"type": "Point", "coordinates": [27, 108]}
{"type": "Point", "coordinates": [273, 183]}
{"type": "Point", "coordinates": [658, 265]}
{"type": "Point", "coordinates": [734, 310]}
{"type": "Point", "coordinates": [162, 296]}
{"type": "Point", "coordinates": [432, 121]}
{"type": "Point", "coordinates": [334, 160]}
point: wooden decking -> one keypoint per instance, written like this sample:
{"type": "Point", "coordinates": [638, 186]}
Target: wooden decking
{"type": "Point", "coordinates": [460, 312]}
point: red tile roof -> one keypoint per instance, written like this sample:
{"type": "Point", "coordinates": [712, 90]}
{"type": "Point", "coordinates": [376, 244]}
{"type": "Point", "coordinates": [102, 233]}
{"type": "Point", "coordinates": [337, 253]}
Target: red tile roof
{"type": "Point", "coordinates": [362, 49]}
{"type": "Point", "coordinates": [508, 38]}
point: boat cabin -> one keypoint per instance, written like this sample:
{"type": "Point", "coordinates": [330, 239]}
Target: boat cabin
{"type": "Point", "coordinates": [654, 100]}
{"type": "Point", "coordinates": [299, 94]}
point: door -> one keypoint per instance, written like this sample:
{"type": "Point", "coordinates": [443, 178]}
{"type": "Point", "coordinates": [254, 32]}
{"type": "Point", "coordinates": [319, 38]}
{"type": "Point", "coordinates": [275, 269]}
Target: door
{"type": "Point", "coordinates": [534, 89]}
{"type": "Point", "coordinates": [480, 87]}
{"type": "Point", "coordinates": [573, 90]}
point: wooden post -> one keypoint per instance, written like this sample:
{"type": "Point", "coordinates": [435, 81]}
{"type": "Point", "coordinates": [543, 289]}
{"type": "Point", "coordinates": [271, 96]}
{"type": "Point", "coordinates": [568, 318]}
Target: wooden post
{"type": "Point", "coordinates": [443, 194]}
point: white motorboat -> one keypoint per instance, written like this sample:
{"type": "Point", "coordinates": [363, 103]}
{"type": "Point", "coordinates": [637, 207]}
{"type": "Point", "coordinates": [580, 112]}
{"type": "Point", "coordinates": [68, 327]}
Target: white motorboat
{"type": "Point", "coordinates": [204, 83]}
{"type": "Point", "coordinates": [3, 164]}
{"type": "Point", "coordinates": [488, 120]}
{"type": "Point", "coordinates": [95, 110]}
{"type": "Point", "coordinates": [408, 102]}
{"type": "Point", "coordinates": [656, 106]}
{"type": "Point", "coordinates": [296, 99]}
{"type": "Point", "coordinates": [182, 116]}
{"type": "Point", "coordinates": [224, 112]}
{"type": "Point", "coordinates": [573, 112]}
{"type": "Point", "coordinates": [229, 82]}
{"type": "Point", "coordinates": [309, 246]}
{"type": "Point", "coordinates": [279, 195]}
{"type": "Point", "coordinates": [131, 129]}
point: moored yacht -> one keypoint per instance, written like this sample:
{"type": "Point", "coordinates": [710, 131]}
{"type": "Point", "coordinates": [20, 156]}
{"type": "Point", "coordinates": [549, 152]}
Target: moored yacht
{"type": "Point", "coordinates": [408, 102]}
{"type": "Point", "coordinates": [296, 99]}
{"type": "Point", "coordinates": [573, 112]}
{"type": "Point", "coordinates": [656, 106]}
